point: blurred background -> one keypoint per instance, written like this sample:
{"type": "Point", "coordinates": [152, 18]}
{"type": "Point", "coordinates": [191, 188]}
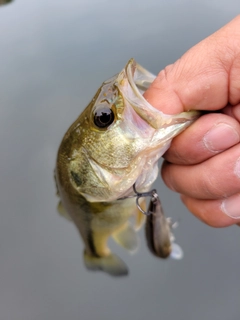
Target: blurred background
{"type": "Point", "coordinates": [55, 55]}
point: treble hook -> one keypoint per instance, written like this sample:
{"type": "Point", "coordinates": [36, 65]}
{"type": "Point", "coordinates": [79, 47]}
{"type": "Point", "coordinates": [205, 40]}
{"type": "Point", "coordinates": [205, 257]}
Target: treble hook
{"type": "Point", "coordinates": [153, 194]}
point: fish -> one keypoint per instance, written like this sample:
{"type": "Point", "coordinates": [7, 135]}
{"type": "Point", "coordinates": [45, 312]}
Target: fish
{"type": "Point", "coordinates": [112, 149]}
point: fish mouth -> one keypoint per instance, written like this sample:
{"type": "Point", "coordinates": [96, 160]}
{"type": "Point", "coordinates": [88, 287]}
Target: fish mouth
{"type": "Point", "coordinates": [133, 81]}
{"type": "Point", "coordinates": [139, 78]}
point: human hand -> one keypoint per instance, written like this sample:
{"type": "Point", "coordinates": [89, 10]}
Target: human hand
{"type": "Point", "coordinates": [203, 162]}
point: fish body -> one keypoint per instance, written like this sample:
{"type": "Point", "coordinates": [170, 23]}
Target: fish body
{"type": "Point", "coordinates": [115, 143]}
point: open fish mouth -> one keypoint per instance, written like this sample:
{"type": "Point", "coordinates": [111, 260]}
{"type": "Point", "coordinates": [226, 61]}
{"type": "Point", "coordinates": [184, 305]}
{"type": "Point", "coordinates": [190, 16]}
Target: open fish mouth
{"type": "Point", "coordinates": [133, 81]}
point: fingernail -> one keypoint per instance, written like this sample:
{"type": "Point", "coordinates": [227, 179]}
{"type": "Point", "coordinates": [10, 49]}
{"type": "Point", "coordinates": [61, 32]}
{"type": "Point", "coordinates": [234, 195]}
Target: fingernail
{"type": "Point", "coordinates": [237, 168]}
{"type": "Point", "coordinates": [231, 206]}
{"type": "Point", "coordinates": [220, 137]}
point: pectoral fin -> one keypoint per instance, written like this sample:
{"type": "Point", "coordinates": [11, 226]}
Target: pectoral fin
{"type": "Point", "coordinates": [126, 237]}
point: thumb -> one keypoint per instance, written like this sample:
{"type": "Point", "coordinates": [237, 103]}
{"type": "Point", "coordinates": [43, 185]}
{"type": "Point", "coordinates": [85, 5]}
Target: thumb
{"type": "Point", "coordinates": [206, 77]}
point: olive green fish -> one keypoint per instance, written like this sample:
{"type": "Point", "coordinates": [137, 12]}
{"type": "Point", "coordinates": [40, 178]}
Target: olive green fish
{"type": "Point", "coordinates": [115, 143]}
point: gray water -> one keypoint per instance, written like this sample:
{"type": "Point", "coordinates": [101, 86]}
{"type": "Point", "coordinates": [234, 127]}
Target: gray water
{"type": "Point", "coordinates": [54, 56]}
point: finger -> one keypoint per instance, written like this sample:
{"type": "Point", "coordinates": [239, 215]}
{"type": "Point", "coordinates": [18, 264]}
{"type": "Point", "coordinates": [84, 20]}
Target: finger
{"type": "Point", "coordinates": [233, 111]}
{"type": "Point", "coordinates": [206, 77]}
{"type": "Point", "coordinates": [215, 213]}
{"type": "Point", "coordinates": [214, 178]}
{"type": "Point", "coordinates": [206, 137]}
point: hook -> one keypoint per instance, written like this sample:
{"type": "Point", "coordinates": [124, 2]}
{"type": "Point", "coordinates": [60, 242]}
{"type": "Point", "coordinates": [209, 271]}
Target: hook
{"type": "Point", "coordinates": [153, 194]}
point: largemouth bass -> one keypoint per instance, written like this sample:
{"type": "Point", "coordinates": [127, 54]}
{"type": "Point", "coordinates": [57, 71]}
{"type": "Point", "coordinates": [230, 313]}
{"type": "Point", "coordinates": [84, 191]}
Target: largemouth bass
{"type": "Point", "coordinates": [115, 144]}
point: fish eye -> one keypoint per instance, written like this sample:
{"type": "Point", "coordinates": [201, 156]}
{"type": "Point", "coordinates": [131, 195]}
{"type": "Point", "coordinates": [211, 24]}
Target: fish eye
{"type": "Point", "coordinates": [103, 117]}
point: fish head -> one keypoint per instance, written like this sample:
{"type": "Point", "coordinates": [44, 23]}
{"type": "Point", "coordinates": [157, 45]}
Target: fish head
{"type": "Point", "coordinates": [117, 140]}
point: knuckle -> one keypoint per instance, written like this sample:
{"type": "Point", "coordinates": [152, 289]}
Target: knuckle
{"type": "Point", "coordinates": [210, 185]}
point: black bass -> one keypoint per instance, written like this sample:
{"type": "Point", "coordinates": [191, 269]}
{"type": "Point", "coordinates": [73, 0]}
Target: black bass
{"type": "Point", "coordinates": [115, 144]}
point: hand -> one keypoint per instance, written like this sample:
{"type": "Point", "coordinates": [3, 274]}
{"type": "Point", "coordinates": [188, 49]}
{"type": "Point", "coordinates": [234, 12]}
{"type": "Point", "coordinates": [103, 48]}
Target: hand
{"type": "Point", "coordinates": [203, 162]}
